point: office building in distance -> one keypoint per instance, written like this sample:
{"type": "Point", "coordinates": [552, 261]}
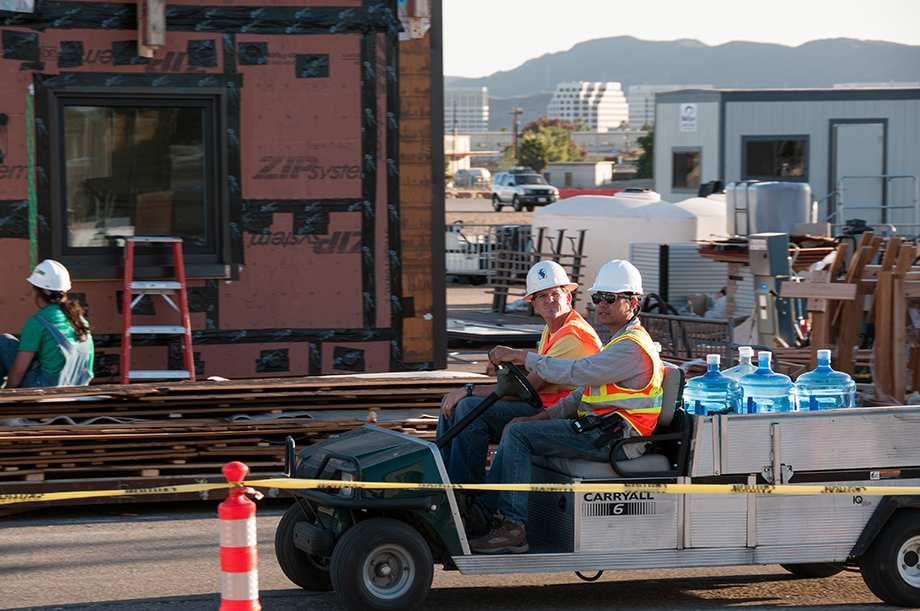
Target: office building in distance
{"type": "Point", "coordinates": [602, 106]}
{"type": "Point", "coordinates": [466, 109]}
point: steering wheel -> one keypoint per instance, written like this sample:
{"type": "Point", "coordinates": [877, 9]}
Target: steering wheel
{"type": "Point", "coordinates": [512, 381]}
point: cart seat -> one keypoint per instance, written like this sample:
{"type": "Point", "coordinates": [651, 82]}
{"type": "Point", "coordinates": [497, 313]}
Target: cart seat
{"type": "Point", "coordinates": [667, 455]}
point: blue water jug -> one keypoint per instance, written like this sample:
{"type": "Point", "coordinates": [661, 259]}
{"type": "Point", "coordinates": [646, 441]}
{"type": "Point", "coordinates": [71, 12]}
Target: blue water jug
{"type": "Point", "coordinates": [824, 388]}
{"type": "Point", "coordinates": [744, 366]}
{"type": "Point", "coordinates": [766, 392]}
{"type": "Point", "coordinates": [712, 393]}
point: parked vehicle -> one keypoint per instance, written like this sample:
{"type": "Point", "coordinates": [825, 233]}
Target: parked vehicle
{"type": "Point", "coordinates": [522, 189]}
{"type": "Point", "coordinates": [377, 547]}
{"type": "Point", "coordinates": [472, 178]}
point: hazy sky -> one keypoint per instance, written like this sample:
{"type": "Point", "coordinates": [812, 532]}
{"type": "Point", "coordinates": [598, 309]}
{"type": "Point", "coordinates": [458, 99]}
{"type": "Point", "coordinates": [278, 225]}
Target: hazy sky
{"type": "Point", "coordinates": [486, 36]}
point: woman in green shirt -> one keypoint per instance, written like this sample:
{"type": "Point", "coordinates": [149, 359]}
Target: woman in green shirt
{"type": "Point", "coordinates": [55, 347]}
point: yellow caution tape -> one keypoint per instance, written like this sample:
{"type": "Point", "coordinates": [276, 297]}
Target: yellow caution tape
{"type": "Point", "coordinates": [292, 483]}
{"type": "Point", "coordinates": [7, 499]}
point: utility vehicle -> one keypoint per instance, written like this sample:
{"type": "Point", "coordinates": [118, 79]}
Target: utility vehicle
{"type": "Point", "coordinates": [377, 548]}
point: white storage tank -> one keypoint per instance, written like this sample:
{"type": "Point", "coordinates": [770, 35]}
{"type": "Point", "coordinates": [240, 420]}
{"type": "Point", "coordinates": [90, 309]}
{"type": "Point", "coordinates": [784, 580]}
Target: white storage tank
{"type": "Point", "coordinates": [612, 223]}
{"type": "Point", "coordinates": [760, 207]}
{"type": "Point", "coordinates": [710, 213]}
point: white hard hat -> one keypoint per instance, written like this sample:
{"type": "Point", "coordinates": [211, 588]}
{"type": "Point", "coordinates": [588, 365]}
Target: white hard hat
{"type": "Point", "coordinates": [50, 275]}
{"type": "Point", "coordinates": [618, 276]}
{"type": "Point", "coordinates": [546, 275]}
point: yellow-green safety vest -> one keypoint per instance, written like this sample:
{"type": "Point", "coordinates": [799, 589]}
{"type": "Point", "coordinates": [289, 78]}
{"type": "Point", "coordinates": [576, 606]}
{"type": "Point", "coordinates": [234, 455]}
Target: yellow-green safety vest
{"type": "Point", "coordinates": [639, 407]}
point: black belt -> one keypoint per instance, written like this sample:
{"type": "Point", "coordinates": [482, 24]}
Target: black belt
{"type": "Point", "coordinates": [611, 426]}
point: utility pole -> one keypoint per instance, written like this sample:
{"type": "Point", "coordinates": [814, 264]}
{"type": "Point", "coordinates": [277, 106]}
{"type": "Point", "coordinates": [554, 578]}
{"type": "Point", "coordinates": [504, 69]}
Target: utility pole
{"type": "Point", "coordinates": [514, 128]}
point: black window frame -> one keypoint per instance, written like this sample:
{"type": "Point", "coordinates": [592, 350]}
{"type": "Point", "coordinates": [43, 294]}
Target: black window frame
{"type": "Point", "coordinates": [745, 175]}
{"type": "Point", "coordinates": [675, 188]}
{"type": "Point", "coordinates": [106, 262]}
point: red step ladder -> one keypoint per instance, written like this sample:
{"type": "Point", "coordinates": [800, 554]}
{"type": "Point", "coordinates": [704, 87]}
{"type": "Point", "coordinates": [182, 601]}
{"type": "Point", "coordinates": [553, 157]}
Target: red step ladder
{"type": "Point", "coordinates": [164, 289]}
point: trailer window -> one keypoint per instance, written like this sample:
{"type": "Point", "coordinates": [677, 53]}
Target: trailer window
{"type": "Point", "coordinates": [685, 170]}
{"type": "Point", "coordinates": [769, 157]}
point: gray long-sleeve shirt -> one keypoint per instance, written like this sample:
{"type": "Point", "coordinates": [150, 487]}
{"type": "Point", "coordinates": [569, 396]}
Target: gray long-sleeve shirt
{"type": "Point", "coordinates": [624, 363]}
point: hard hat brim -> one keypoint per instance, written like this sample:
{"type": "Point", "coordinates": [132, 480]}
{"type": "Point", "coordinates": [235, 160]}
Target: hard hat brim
{"type": "Point", "coordinates": [568, 287]}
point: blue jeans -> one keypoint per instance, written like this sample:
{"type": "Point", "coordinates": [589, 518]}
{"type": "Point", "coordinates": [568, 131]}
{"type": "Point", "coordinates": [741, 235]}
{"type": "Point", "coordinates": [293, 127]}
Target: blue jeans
{"type": "Point", "coordinates": [9, 346]}
{"type": "Point", "coordinates": [34, 376]}
{"type": "Point", "coordinates": [539, 438]}
{"type": "Point", "coordinates": [465, 456]}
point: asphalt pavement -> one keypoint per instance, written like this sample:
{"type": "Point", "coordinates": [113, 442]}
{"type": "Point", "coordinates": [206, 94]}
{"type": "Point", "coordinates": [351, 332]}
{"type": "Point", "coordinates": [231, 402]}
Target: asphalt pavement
{"type": "Point", "coordinates": [160, 557]}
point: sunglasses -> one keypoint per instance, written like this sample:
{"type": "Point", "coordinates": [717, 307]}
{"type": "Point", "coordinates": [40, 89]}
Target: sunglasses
{"type": "Point", "coordinates": [610, 299]}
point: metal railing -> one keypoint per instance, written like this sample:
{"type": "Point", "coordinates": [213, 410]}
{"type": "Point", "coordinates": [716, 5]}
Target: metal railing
{"type": "Point", "coordinates": [684, 338]}
{"type": "Point", "coordinates": [884, 225]}
{"type": "Point", "coordinates": [469, 247]}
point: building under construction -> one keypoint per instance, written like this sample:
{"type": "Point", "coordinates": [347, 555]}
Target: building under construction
{"type": "Point", "coordinates": [287, 144]}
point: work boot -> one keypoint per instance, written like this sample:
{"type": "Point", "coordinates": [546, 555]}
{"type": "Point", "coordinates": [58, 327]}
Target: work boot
{"type": "Point", "coordinates": [475, 521]}
{"type": "Point", "coordinates": [504, 536]}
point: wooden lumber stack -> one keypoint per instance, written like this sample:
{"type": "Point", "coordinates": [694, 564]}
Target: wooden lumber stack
{"type": "Point", "coordinates": [154, 447]}
{"type": "Point", "coordinates": [188, 428]}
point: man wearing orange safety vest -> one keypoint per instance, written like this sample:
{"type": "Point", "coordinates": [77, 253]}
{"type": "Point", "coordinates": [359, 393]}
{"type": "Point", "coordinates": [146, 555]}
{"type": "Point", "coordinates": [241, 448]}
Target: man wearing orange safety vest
{"type": "Point", "coordinates": [619, 396]}
{"type": "Point", "coordinates": [566, 336]}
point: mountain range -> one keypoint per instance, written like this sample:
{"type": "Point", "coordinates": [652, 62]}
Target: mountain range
{"type": "Point", "coordinates": [734, 65]}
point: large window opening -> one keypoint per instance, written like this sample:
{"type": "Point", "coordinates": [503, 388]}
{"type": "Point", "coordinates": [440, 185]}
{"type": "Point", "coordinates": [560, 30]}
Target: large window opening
{"type": "Point", "coordinates": [135, 171]}
{"type": "Point", "coordinates": [134, 164]}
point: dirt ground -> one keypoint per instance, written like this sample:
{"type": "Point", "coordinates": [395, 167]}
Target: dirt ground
{"type": "Point", "coordinates": [506, 217]}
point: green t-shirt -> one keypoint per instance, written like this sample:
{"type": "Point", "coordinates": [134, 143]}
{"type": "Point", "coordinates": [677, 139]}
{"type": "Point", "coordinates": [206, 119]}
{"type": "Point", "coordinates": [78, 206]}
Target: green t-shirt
{"type": "Point", "coordinates": [36, 338]}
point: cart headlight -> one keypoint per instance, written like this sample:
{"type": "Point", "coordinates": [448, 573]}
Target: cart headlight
{"type": "Point", "coordinates": [344, 476]}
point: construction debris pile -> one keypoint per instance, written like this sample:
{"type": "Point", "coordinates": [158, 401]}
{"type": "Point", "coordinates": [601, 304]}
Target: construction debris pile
{"type": "Point", "coordinates": [862, 303]}
{"type": "Point", "coordinates": [805, 250]}
{"type": "Point", "coordinates": [868, 305]}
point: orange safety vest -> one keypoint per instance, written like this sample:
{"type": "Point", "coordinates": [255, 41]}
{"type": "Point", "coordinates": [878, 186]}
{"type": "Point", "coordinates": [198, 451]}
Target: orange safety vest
{"type": "Point", "coordinates": [574, 325]}
{"type": "Point", "coordinates": [639, 407]}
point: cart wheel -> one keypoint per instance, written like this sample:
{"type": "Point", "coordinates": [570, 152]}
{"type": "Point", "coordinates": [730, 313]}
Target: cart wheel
{"type": "Point", "coordinates": [516, 204]}
{"type": "Point", "coordinates": [309, 572]}
{"type": "Point", "coordinates": [814, 569]}
{"type": "Point", "coordinates": [381, 565]}
{"type": "Point", "coordinates": [891, 565]}
{"type": "Point", "coordinates": [496, 203]}
{"type": "Point", "coordinates": [529, 208]}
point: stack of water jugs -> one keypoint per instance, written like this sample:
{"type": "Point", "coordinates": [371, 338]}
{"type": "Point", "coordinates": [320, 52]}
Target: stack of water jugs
{"type": "Point", "coordinates": [746, 389]}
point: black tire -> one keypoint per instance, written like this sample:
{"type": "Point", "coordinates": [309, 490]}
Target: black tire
{"type": "Point", "coordinates": [497, 203]}
{"type": "Point", "coordinates": [309, 572]}
{"type": "Point", "coordinates": [815, 569]}
{"type": "Point", "coordinates": [891, 565]}
{"type": "Point", "coordinates": [529, 208]}
{"type": "Point", "coordinates": [382, 565]}
{"type": "Point", "coordinates": [516, 204]}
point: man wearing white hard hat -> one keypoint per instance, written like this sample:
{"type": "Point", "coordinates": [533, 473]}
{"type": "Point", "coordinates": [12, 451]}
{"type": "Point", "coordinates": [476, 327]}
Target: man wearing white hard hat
{"type": "Point", "coordinates": [566, 336]}
{"type": "Point", "coordinates": [55, 347]}
{"type": "Point", "coordinates": [620, 387]}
